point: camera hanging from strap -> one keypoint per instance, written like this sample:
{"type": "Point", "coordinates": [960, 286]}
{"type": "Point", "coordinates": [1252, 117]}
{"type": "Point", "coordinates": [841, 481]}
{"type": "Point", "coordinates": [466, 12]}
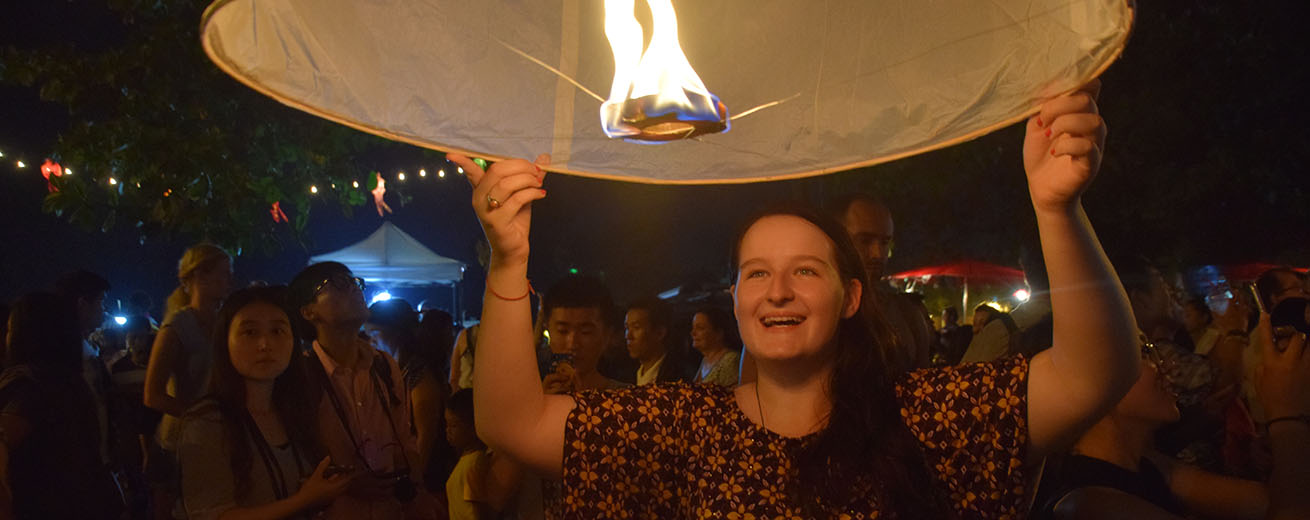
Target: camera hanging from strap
{"type": "Point", "coordinates": [404, 488]}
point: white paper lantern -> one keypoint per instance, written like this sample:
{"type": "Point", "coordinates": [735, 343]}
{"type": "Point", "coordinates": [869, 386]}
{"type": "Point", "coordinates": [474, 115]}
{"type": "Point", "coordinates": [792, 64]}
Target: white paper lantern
{"type": "Point", "coordinates": [843, 83]}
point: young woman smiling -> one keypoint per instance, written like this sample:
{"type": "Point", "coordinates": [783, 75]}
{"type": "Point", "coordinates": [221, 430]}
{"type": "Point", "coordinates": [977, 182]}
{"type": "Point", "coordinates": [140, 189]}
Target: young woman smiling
{"type": "Point", "coordinates": [824, 431]}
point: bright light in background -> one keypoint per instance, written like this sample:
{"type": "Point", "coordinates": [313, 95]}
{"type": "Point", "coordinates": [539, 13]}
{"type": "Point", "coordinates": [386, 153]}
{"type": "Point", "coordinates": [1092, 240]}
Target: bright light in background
{"type": "Point", "coordinates": [1000, 306]}
{"type": "Point", "coordinates": [441, 173]}
{"type": "Point", "coordinates": [380, 297]}
{"type": "Point", "coordinates": [1022, 295]}
{"type": "Point", "coordinates": [113, 181]}
{"type": "Point", "coordinates": [120, 320]}
{"type": "Point", "coordinates": [354, 183]}
{"type": "Point", "coordinates": [68, 171]}
{"type": "Point", "coordinates": [22, 164]}
{"type": "Point", "coordinates": [401, 176]}
{"type": "Point", "coordinates": [460, 169]}
{"type": "Point", "coordinates": [313, 189]}
{"type": "Point", "coordinates": [422, 173]}
{"type": "Point", "coordinates": [2, 154]}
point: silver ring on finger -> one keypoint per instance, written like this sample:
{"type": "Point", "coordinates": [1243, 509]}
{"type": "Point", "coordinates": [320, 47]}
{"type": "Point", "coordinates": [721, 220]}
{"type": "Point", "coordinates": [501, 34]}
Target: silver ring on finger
{"type": "Point", "coordinates": [493, 203]}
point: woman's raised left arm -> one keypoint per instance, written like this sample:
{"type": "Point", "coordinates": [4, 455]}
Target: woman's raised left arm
{"type": "Point", "coordinates": [1094, 358]}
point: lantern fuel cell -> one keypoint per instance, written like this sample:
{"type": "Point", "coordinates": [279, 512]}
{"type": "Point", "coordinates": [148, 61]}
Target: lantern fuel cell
{"type": "Point", "coordinates": [656, 95]}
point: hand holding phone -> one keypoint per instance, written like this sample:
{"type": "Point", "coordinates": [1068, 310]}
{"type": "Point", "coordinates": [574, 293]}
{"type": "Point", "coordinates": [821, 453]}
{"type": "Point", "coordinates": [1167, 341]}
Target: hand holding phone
{"type": "Point", "coordinates": [1219, 300]}
{"type": "Point", "coordinates": [558, 374]}
{"type": "Point", "coordinates": [1230, 313]}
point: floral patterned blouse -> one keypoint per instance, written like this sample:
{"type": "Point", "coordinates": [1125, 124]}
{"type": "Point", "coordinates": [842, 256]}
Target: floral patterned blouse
{"type": "Point", "coordinates": [687, 451]}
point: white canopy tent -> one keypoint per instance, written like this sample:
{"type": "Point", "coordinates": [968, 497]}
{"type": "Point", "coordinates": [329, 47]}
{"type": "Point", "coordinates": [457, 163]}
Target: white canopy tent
{"type": "Point", "coordinates": [395, 258]}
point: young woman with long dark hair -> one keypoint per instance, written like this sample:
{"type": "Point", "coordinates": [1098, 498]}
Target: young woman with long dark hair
{"type": "Point", "coordinates": [825, 431]}
{"type": "Point", "coordinates": [251, 449]}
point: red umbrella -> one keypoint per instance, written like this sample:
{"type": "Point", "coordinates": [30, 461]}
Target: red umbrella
{"type": "Point", "coordinates": [1250, 271]}
{"type": "Point", "coordinates": [967, 270]}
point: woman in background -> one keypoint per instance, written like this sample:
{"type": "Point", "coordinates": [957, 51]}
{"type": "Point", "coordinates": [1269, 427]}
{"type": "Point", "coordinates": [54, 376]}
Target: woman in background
{"type": "Point", "coordinates": [180, 360]}
{"type": "Point", "coordinates": [711, 329]}
{"type": "Point", "coordinates": [251, 448]}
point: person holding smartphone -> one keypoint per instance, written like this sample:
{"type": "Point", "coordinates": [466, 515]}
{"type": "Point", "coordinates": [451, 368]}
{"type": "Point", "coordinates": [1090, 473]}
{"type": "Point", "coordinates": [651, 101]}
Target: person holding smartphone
{"type": "Point", "coordinates": [577, 317]}
{"type": "Point", "coordinates": [578, 324]}
{"type": "Point", "coordinates": [1112, 473]}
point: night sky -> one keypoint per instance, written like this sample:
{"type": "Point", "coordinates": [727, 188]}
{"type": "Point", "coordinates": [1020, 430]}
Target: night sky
{"type": "Point", "coordinates": [1224, 96]}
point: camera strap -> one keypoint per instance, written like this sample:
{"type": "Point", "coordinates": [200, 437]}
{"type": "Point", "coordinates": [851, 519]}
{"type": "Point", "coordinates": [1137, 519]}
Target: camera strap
{"type": "Point", "coordinates": [279, 481]}
{"type": "Point", "coordinates": [340, 409]}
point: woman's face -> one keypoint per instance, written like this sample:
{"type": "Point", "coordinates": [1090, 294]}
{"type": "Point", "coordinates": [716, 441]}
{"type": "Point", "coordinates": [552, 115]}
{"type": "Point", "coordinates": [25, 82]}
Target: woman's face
{"type": "Point", "coordinates": [215, 282]}
{"type": "Point", "coordinates": [789, 296]}
{"type": "Point", "coordinates": [704, 337]}
{"type": "Point", "coordinates": [1150, 399]}
{"type": "Point", "coordinates": [259, 341]}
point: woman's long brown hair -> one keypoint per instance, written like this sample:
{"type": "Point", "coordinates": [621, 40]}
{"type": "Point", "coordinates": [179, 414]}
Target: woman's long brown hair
{"type": "Point", "coordinates": [865, 448]}
{"type": "Point", "coordinates": [294, 400]}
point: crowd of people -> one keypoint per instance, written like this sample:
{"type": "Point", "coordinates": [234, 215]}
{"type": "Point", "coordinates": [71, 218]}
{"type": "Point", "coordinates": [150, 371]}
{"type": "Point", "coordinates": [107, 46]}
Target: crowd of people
{"type": "Point", "coordinates": [820, 392]}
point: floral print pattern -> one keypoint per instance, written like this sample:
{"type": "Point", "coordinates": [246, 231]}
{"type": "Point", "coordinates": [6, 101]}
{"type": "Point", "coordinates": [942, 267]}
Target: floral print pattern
{"type": "Point", "coordinates": [687, 451]}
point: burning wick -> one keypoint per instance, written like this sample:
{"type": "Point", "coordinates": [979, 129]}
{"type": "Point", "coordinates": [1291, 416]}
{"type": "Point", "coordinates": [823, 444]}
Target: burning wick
{"type": "Point", "coordinates": [669, 126]}
{"type": "Point", "coordinates": [656, 95]}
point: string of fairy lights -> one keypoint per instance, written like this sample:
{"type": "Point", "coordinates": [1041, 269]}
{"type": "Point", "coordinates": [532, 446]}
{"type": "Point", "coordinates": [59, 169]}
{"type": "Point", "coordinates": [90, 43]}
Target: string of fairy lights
{"type": "Point", "coordinates": [399, 176]}
{"type": "Point", "coordinates": [375, 180]}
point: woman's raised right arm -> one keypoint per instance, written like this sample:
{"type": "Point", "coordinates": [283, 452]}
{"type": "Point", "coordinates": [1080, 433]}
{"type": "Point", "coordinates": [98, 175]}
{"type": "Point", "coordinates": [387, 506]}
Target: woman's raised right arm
{"type": "Point", "coordinates": [513, 414]}
{"type": "Point", "coordinates": [163, 364]}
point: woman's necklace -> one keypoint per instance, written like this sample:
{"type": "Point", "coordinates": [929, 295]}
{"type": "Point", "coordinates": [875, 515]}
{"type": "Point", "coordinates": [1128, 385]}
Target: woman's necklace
{"type": "Point", "coordinates": [760, 406]}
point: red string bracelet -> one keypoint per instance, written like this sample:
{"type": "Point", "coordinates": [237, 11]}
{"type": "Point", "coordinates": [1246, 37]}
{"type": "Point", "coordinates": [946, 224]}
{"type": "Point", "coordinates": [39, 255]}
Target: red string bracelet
{"type": "Point", "coordinates": [525, 295]}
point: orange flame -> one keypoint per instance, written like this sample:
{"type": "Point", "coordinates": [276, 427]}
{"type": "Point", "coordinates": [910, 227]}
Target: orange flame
{"type": "Point", "coordinates": [656, 86]}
